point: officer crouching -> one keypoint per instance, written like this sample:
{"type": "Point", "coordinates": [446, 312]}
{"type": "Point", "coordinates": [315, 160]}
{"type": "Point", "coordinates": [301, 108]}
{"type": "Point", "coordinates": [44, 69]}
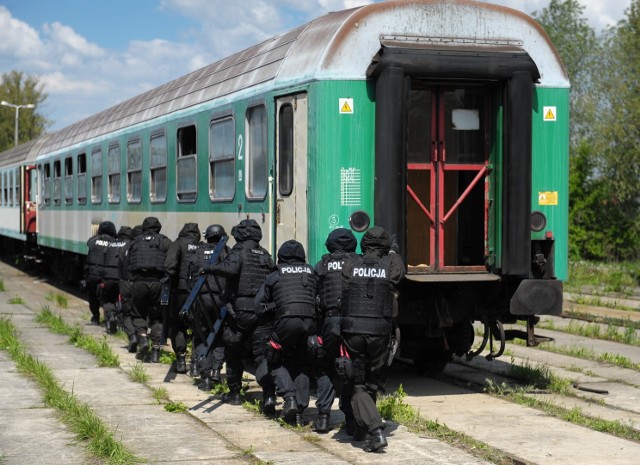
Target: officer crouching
{"type": "Point", "coordinates": [289, 294]}
{"type": "Point", "coordinates": [369, 290]}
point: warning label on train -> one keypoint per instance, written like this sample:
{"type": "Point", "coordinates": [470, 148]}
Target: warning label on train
{"type": "Point", "coordinates": [548, 198]}
{"type": "Point", "coordinates": [549, 113]}
{"type": "Point", "coordinates": [345, 106]}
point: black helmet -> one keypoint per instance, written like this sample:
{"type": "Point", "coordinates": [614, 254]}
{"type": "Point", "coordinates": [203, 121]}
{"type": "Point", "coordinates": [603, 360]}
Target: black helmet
{"type": "Point", "coordinates": [214, 232]}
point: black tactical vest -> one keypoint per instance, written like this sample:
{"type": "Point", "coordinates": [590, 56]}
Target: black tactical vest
{"type": "Point", "coordinates": [111, 258]}
{"type": "Point", "coordinates": [256, 265]}
{"type": "Point", "coordinates": [330, 274]}
{"type": "Point", "coordinates": [295, 292]}
{"type": "Point", "coordinates": [197, 261]}
{"type": "Point", "coordinates": [188, 251]}
{"type": "Point", "coordinates": [98, 247]}
{"type": "Point", "coordinates": [145, 256]}
{"type": "Point", "coordinates": [367, 302]}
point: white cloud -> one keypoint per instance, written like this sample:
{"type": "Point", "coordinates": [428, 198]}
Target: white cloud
{"type": "Point", "coordinates": [17, 39]}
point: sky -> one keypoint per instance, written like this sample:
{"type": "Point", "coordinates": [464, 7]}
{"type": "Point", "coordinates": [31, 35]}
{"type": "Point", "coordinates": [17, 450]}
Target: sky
{"type": "Point", "coordinates": [93, 54]}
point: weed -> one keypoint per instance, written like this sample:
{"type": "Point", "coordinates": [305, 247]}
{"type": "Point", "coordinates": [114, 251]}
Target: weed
{"type": "Point", "coordinates": [248, 451]}
{"type": "Point", "coordinates": [175, 407]}
{"type": "Point", "coordinates": [2, 288]}
{"type": "Point", "coordinates": [138, 373]}
{"type": "Point", "coordinates": [255, 406]}
{"type": "Point", "coordinates": [17, 300]}
{"type": "Point", "coordinates": [99, 348]}
{"type": "Point", "coordinates": [59, 299]}
{"type": "Point", "coordinates": [76, 415]}
{"type": "Point", "coordinates": [167, 357]}
{"type": "Point", "coordinates": [161, 395]}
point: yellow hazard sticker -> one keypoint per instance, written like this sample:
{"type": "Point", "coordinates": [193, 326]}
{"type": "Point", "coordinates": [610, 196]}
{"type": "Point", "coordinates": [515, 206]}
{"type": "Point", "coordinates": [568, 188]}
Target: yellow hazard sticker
{"type": "Point", "coordinates": [549, 114]}
{"type": "Point", "coordinates": [345, 106]}
{"type": "Point", "coordinates": [548, 198]}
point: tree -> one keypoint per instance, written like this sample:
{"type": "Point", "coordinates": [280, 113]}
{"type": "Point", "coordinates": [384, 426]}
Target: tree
{"type": "Point", "coordinates": [578, 46]}
{"type": "Point", "coordinates": [618, 141]}
{"type": "Point", "coordinates": [19, 89]}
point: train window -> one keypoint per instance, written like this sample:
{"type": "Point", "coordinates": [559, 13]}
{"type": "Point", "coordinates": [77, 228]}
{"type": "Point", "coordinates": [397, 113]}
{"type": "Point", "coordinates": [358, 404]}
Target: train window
{"type": "Point", "coordinates": [16, 187]}
{"type": "Point", "coordinates": [2, 195]}
{"type": "Point", "coordinates": [82, 179]}
{"type": "Point", "coordinates": [5, 188]}
{"type": "Point", "coordinates": [285, 149]}
{"type": "Point", "coordinates": [158, 188]}
{"type": "Point", "coordinates": [96, 175]}
{"type": "Point", "coordinates": [113, 169]}
{"type": "Point", "coordinates": [186, 180]}
{"type": "Point", "coordinates": [57, 182]}
{"type": "Point", "coordinates": [134, 171]}
{"type": "Point", "coordinates": [68, 181]}
{"type": "Point", "coordinates": [257, 152]}
{"type": "Point", "coordinates": [46, 184]}
{"type": "Point", "coordinates": [222, 184]}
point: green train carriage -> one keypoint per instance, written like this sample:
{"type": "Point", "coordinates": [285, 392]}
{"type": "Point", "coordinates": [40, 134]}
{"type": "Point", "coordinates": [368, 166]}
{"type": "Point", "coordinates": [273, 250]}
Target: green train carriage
{"type": "Point", "coordinates": [446, 122]}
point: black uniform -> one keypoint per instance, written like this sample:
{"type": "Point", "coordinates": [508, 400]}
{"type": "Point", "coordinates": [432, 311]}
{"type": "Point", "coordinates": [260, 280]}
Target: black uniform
{"type": "Point", "coordinates": [125, 288]}
{"type": "Point", "coordinates": [245, 268]}
{"type": "Point", "coordinates": [341, 244]}
{"type": "Point", "coordinates": [289, 297]}
{"type": "Point", "coordinates": [145, 264]}
{"type": "Point", "coordinates": [94, 266]}
{"type": "Point", "coordinates": [109, 290]}
{"type": "Point", "coordinates": [210, 300]}
{"type": "Point", "coordinates": [176, 267]}
{"type": "Point", "coordinates": [369, 290]}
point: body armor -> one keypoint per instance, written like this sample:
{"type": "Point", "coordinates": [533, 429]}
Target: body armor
{"type": "Point", "coordinates": [330, 273]}
{"type": "Point", "coordinates": [111, 258]}
{"type": "Point", "coordinates": [295, 292]}
{"type": "Point", "coordinates": [146, 257]}
{"type": "Point", "coordinates": [256, 265]}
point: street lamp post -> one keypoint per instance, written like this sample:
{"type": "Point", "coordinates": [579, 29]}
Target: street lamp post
{"type": "Point", "coordinates": [17, 107]}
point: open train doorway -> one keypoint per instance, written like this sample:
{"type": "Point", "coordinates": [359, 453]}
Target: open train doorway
{"type": "Point", "coordinates": [448, 131]}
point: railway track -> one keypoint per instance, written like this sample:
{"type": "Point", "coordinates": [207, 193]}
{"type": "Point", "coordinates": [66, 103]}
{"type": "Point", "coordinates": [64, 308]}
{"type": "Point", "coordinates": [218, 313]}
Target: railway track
{"type": "Point", "coordinates": [593, 418]}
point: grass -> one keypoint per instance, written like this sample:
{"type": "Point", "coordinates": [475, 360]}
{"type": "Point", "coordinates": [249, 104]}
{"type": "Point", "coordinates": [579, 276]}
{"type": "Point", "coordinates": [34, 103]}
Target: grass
{"type": "Point", "coordinates": [161, 395]}
{"type": "Point", "coordinates": [175, 407]}
{"type": "Point", "coordinates": [138, 373]}
{"type": "Point", "coordinates": [586, 354]}
{"type": "Point", "coordinates": [574, 415]}
{"type": "Point", "coordinates": [600, 277]}
{"type": "Point", "coordinates": [624, 322]}
{"type": "Point", "coordinates": [78, 416]}
{"type": "Point", "coordinates": [393, 407]}
{"type": "Point", "coordinates": [59, 299]}
{"type": "Point", "coordinates": [2, 288]}
{"type": "Point", "coordinates": [610, 332]}
{"type": "Point", "coordinates": [17, 300]}
{"type": "Point", "coordinates": [100, 348]}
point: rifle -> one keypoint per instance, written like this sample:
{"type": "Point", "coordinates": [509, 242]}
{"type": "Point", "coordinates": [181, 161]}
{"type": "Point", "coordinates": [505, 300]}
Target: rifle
{"type": "Point", "coordinates": [195, 293]}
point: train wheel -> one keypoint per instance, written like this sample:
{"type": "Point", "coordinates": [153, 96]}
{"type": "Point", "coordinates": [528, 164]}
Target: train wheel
{"type": "Point", "coordinates": [432, 361]}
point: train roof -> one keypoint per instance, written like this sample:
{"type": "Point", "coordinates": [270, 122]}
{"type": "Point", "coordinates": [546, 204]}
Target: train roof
{"type": "Point", "coordinates": [339, 45]}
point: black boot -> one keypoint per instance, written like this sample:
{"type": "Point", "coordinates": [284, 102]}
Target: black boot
{"type": "Point", "coordinates": [206, 384]}
{"type": "Point", "coordinates": [359, 433]}
{"type": "Point", "coordinates": [155, 354]}
{"type": "Point", "coordinates": [216, 377]}
{"type": "Point", "coordinates": [289, 410]}
{"type": "Point", "coordinates": [321, 424]}
{"type": "Point", "coordinates": [143, 349]}
{"type": "Point", "coordinates": [133, 344]}
{"type": "Point", "coordinates": [269, 405]}
{"type": "Point", "coordinates": [376, 441]}
{"type": "Point", "coordinates": [300, 420]}
{"type": "Point", "coordinates": [193, 368]}
{"type": "Point", "coordinates": [181, 364]}
{"type": "Point", "coordinates": [233, 397]}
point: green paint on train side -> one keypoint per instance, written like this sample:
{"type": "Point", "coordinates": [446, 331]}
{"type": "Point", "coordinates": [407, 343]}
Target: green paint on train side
{"type": "Point", "coordinates": [341, 157]}
{"type": "Point", "coordinates": [550, 170]}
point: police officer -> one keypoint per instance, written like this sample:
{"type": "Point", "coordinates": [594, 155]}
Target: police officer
{"type": "Point", "coordinates": [145, 264]}
{"type": "Point", "coordinates": [367, 305]}
{"type": "Point", "coordinates": [94, 266]}
{"type": "Point", "coordinates": [208, 363]}
{"type": "Point", "coordinates": [109, 290]}
{"type": "Point", "coordinates": [125, 286]}
{"type": "Point", "coordinates": [176, 266]}
{"type": "Point", "coordinates": [341, 244]}
{"type": "Point", "coordinates": [245, 268]}
{"type": "Point", "coordinates": [289, 295]}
